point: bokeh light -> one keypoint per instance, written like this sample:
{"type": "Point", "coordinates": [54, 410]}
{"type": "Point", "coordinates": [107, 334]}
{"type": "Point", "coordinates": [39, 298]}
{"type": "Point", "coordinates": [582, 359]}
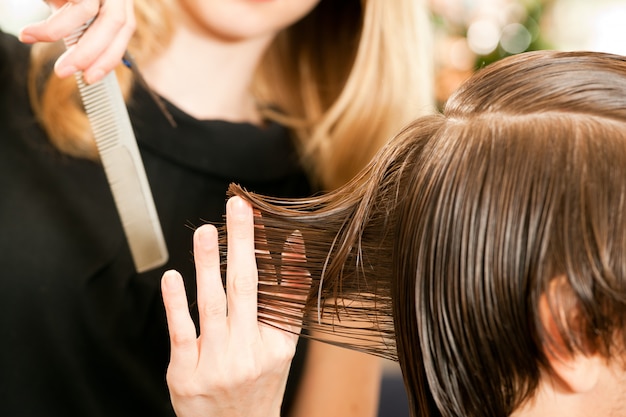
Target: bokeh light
{"type": "Point", "coordinates": [473, 33]}
{"type": "Point", "coordinates": [483, 36]}
{"type": "Point", "coordinates": [515, 38]}
{"type": "Point", "coordinates": [14, 14]}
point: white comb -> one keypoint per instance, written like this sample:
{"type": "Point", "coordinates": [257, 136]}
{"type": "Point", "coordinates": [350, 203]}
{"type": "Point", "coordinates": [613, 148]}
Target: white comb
{"type": "Point", "coordinates": [123, 166]}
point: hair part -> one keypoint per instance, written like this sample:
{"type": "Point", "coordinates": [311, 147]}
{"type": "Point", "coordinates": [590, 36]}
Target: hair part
{"type": "Point", "coordinates": [464, 221]}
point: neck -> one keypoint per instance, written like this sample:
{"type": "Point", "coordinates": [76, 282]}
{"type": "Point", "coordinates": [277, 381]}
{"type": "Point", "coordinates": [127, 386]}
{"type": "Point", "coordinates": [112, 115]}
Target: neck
{"type": "Point", "coordinates": [205, 76]}
{"type": "Point", "coordinates": [554, 399]}
{"type": "Point", "coordinates": [540, 405]}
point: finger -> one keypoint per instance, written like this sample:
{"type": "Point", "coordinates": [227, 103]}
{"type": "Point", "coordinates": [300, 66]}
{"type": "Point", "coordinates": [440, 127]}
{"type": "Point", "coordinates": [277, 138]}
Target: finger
{"type": "Point", "coordinates": [108, 60]}
{"type": "Point", "coordinates": [282, 344]}
{"type": "Point", "coordinates": [56, 4]}
{"type": "Point", "coordinates": [242, 278]}
{"type": "Point", "coordinates": [211, 297]}
{"type": "Point", "coordinates": [101, 48]}
{"type": "Point", "coordinates": [103, 44]}
{"type": "Point", "coordinates": [62, 22]}
{"type": "Point", "coordinates": [184, 350]}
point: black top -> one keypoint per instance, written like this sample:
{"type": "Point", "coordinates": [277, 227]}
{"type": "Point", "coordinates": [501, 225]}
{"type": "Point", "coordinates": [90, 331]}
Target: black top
{"type": "Point", "coordinates": [81, 333]}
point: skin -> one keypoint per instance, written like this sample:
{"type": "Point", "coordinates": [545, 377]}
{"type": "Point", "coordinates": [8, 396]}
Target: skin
{"type": "Point", "coordinates": [216, 86]}
{"type": "Point", "coordinates": [580, 386]}
{"type": "Point", "coordinates": [102, 46]}
{"type": "Point", "coordinates": [577, 384]}
{"type": "Point", "coordinates": [232, 37]}
{"type": "Point", "coordinates": [234, 21]}
{"type": "Point", "coordinates": [249, 361]}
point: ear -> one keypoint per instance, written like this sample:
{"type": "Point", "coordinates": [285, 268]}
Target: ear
{"type": "Point", "coordinates": [576, 371]}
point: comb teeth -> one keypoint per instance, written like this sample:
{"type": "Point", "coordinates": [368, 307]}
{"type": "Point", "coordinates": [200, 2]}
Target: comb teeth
{"type": "Point", "coordinates": [117, 146]}
{"type": "Point", "coordinates": [104, 120]}
{"type": "Point", "coordinates": [72, 38]}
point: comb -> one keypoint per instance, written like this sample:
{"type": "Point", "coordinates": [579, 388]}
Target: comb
{"type": "Point", "coordinates": [123, 166]}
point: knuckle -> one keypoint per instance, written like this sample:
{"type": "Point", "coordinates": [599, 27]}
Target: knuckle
{"type": "Point", "coordinates": [181, 387]}
{"type": "Point", "coordinates": [117, 21]}
{"type": "Point", "coordinates": [182, 339]}
{"type": "Point", "coordinates": [115, 18]}
{"type": "Point", "coordinates": [213, 310]}
{"type": "Point", "coordinates": [249, 371]}
{"type": "Point", "coordinates": [91, 8]}
{"type": "Point", "coordinates": [82, 60]}
{"type": "Point", "coordinates": [51, 33]}
{"type": "Point", "coordinates": [284, 353]}
{"type": "Point", "coordinates": [245, 284]}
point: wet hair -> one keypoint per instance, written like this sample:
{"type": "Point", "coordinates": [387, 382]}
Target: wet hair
{"type": "Point", "coordinates": [438, 254]}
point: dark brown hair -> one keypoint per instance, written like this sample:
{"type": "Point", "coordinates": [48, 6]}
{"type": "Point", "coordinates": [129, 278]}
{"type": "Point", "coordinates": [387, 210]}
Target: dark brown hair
{"type": "Point", "coordinates": [438, 253]}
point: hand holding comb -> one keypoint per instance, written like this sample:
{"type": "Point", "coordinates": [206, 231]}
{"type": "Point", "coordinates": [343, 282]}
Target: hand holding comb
{"type": "Point", "coordinates": [123, 166]}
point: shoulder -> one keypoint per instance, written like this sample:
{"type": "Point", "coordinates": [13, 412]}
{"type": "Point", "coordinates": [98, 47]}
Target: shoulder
{"type": "Point", "coordinates": [13, 54]}
{"type": "Point", "coordinates": [5, 64]}
{"type": "Point", "coordinates": [14, 70]}
{"type": "Point", "coordinates": [14, 62]}
{"type": "Point", "coordinates": [14, 58]}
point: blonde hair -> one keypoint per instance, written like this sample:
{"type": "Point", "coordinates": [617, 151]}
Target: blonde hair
{"type": "Point", "coordinates": [343, 79]}
{"type": "Point", "coordinates": [56, 102]}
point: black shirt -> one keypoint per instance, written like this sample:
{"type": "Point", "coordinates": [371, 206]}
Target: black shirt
{"type": "Point", "coordinates": [81, 333]}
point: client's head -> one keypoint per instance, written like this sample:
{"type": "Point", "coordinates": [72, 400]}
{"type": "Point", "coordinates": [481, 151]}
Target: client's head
{"type": "Point", "coordinates": [511, 243]}
{"type": "Point", "coordinates": [494, 235]}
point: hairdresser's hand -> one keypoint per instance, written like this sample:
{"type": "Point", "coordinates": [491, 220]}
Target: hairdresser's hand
{"type": "Point", "coordinates": [238, 366]}
{"type": "Point", "coordinates": [102, 46]}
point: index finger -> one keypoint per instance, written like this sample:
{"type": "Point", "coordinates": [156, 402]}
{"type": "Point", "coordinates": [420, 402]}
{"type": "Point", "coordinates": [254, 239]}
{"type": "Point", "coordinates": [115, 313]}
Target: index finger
{"type": "Point", "coordinates": [62, 22]}
{"type": "Point", "coordinates": [211, 298]}
{"type": "Point", "coordinates": [103, 44]}
{"type": "Point", "coordinates": [182, 331]}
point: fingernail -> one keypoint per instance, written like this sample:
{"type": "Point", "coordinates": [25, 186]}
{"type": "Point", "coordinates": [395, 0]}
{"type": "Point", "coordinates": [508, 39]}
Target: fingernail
{"type": "Point", "coordinates": [206, 236]}
{"type": "Point", "coordinates": [170, 280]}
{"type": "Point", "coordinates": [63, 71]}
{"type": "Point", "coordinates": [239, 207]}
{"type": "Point", "coordinates": [94, 76]}
{"type": "Point", "coordinates": [26, 38]}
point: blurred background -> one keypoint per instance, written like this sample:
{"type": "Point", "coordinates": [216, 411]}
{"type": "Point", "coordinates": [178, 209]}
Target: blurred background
{"type": "Point", "coordinates": [472, 33]}
{"type": "Point", "coordinates": [16, 13]}
{"type": "Point", "coordinates": [469, 34]}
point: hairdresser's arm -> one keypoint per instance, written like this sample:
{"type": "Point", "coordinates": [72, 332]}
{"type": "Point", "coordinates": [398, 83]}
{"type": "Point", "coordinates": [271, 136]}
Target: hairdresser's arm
{"type": "Point", "coordinates": [102, 46]}
{"type": "Point", "coordinates": [338, 382]}
{"type": "Point", "coordinates": [237, 367]}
